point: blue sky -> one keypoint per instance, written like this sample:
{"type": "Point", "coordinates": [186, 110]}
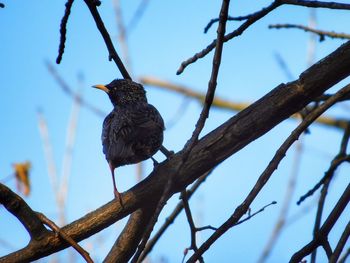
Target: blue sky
{"type": "Point", "coordinates": [167, 34]}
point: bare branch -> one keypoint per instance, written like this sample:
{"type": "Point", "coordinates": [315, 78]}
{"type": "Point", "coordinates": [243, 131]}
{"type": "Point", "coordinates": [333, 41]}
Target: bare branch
{"type": "Point", "coordinates": [64, 236]}
{"type": "Point", "coordinates": [190, 221]}
{"type": "Point", "coordinates": [224, 141]}
{"type": "Point", "coordinates": [19, 208]}
{"type": "Point", "coordinates": [221, 103]}
{"type": "Point", "coordinates": [113, 55]}
{"type": "Point", "coordinates": [237, 32]}
{"type": "Point", "coordinates": [63, 30]}
{"type": "Point", "coordinates": [345, 256]}
{"type": "Point", "coordinates": [170, 219]}
{"type": "Point", "coordinates": [281, 220]}
{"type": "Point", "coordinates": [265, 176]}
{"type": "Point", "coordinates": [257, 16]}
{"type": "Point", "coordinates": [317, 4]}
{"type": "Point", "coordinates": [322, 34]}
{"type": "Point", "coordinates": [213, 78]}
{"type": "Point", "coordinates": [341, 244]}
{"type": "Point", "coordinates": [327, 226]}
{"type": "Point", "coordinates": [127, 242]}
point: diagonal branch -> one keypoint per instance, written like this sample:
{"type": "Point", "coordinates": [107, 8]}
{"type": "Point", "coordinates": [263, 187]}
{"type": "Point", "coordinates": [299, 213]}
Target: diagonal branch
{"type": "Point", "coordinates": [113, 55]}
{"type": "Point", "coordinates": [212, 149]}
{"type": "Point", "coordinates": [265, 176]}
{"type": "Point", "coordinates": [20, 209]}
{"type": "Point", "coordinates": [222, 103]}
{"type": "Point", "coordinates": [127, 242]}
{"type": "Point", "coordinates": [257, 16]}
{"type": "Point", "coordinates": [327, 226]}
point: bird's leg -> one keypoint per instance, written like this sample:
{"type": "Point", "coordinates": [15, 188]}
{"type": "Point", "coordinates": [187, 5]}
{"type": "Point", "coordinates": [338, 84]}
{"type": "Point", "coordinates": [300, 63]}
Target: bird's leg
{"type": "Point", "coordinates": [116, 192]}
{"type": "Point", "coordinates": [166, 152]}
{"type": "Point", "coordinates": [155, 163]}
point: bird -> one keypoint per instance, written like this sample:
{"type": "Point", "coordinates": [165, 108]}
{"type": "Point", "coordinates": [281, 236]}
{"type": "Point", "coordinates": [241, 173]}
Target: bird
{"type": "Point", "coordinates": [133, 131]}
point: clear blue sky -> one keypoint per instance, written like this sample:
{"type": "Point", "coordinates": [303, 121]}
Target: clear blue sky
{"type": "Point", "coordinates": [167, 34]}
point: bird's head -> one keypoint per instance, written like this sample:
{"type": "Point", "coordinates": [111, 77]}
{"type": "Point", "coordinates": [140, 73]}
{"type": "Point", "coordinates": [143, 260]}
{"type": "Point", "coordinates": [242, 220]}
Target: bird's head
{"type": "Point", "coordinates": [124, 91]}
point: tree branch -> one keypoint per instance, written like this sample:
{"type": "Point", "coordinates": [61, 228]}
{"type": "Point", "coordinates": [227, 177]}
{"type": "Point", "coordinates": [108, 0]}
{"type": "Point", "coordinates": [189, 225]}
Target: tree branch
{"type": "Point", "coordinates": [222, 103]}
{"type": "Point", "coordinates": [327, 226]}
{"type": "Point", "coordinates": [63, 30]}
{"type": "Point", "coordinates": [101, 27]}
{"type": "Point", "coordinates": [212, 149]}
{"type": "Point", "coordinates": [209, 97]}
{"type": "Point", "coordinates": [265, 176]}
{"type": "Point", "coordinates": [257, 16]}
{"type": "Point", "coordinates": [20, 209]}
{"type": "Point", "coordinates": [322, 34]}
{"type": "Point", "coordinates": [127, 242]}
{"type": "Point", "coordinates": [170, 219]}
{"type": "Point", "coordinates": [65, 237]}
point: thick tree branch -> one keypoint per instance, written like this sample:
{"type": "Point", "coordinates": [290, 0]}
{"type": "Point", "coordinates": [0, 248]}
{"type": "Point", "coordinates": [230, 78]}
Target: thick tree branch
{"type": "Point", "coordinates": [222, 103]}
{"type": "Point", "coordinates": [20, 209]}
{"type": "Point", "coordinates": [266, 175]}
{"type": "Point", "coordinates": [128, 240]}
{"type": "Point", "coordinates": [212, 149]}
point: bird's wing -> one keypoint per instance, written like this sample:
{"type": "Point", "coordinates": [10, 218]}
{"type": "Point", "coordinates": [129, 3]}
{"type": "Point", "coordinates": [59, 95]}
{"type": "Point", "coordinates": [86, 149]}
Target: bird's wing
{"type": "Point", "coordinates": [146, 117]}
{"type": "Point", "coordinates": [115, 129]}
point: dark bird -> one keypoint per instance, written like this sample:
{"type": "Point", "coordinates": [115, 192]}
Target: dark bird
{"type": "Point", "coordinates": [133, 131]}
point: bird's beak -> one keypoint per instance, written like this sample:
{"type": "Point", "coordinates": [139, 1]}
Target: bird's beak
{"type": "Point", "coordinates": [101, 87]}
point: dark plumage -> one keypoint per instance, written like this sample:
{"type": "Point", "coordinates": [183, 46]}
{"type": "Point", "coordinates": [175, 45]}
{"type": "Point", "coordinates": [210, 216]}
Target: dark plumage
{"type": "Point", "coordinates": [133, 131]}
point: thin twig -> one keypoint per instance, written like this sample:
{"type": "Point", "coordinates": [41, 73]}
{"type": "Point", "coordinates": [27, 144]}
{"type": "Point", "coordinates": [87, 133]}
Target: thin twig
{"type": "Point", "coordinates": [64, 236]}
{"type": "Point", "coordinates": [317, 4]}
{"type": "Point", "coordinates": [113, 55]}
{"type": "Point", "coordinates": [344, 256]}
{"type": "Point", "coordinates": [255, 213]}
{"type": "Point", "coordinates": [281, 221]}
{"type": "Point", "coordinates": [334, 165]}
{"type": "Point", "coordinates": [265, 176]}
{"type": "Point", "coordinates": [341, 243]}
{"type": "Point", "coordinates": [213, 78]}
{"type": "Point", "coordinates": [257, 16]}
{"type": "Point", "coordinates": [190, 221]}
{"type": "Point", "coordinates": [63, 30]}
{"type": "Point", "coordinates": [229, 18]}
{"type": "Point", "coordinates": [327, 226]}
{"type": "Point", "coordinates": [322, 34]}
